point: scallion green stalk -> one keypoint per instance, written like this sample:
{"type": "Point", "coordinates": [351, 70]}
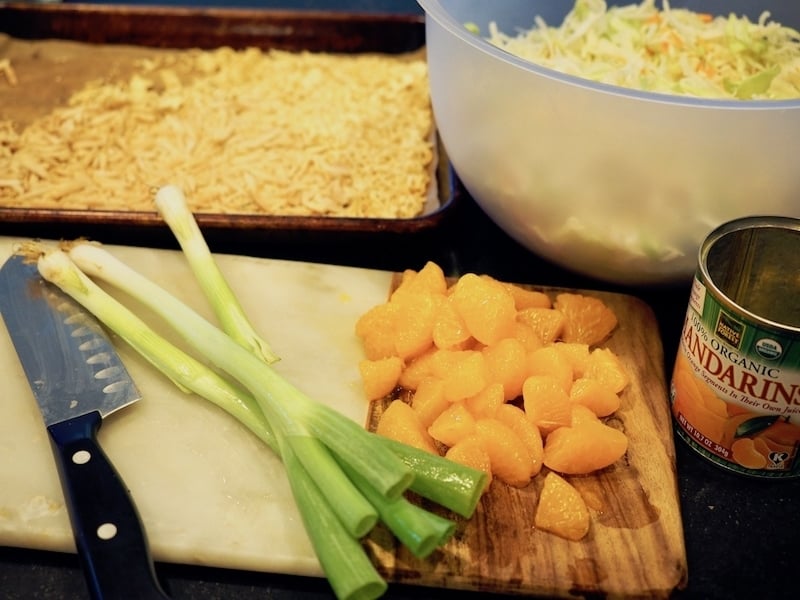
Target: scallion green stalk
{"type": "Point", "coordinates": [439, 479]}
{"type": "Point", "coordinates": [314, 441]}
{"type": "Point", "coordinates": [171, 204]}
{"type": "Point", "coordinates": [419, 530]}
{"type": "Point", "coordinates": [449, 484]}
{"type": "Point", "coordinates": [357, 514]}
{"type": "Point", "coordinates": [281, 402]}
{"type": "Point", "coordinates": [445, 482]}
{"type": "Point", "coordinates": [351, 574]}
{"type": "Point", "coordinates": [348, 569]}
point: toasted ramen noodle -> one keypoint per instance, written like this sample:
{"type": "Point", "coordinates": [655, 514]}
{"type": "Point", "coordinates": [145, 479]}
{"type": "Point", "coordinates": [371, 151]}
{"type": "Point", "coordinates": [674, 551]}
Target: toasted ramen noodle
{"type": "Point", "coordinates": [7, 69]}
{"type": "Point", "coordinates": [242, 132]}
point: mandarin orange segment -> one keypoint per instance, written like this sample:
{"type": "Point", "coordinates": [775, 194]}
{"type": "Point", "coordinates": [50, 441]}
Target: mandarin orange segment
{"type": "Point", "coordinates": [454, 424]}
{"type": "Point", "coordinates": [379, 377]}
{"type": "Point", "coordinates": [688, 402]}
{"type": "Point", "coordinates": [581, 415]}
{"type": "Point", "coordinates": [606, 367]}
{"type": "Point", "coordinates": [745, 453]}
{"type": "Point", "coordinates": [399, 422]}
{"type": "Point", "coordinates": [406, 277]}
{"type": "Point", "coordinates": [526, 335]}
{"type": "Point", "coordinates": [686, 387]}
{"type": "Point", "coordinates": [463, 372]}
{"type": "Point", "coordinates": [471, 453]}
{"type": "Point", "coordinates": [486, 307]}
{"type": "Point", "coordinates": [507, 364]}
{"type": "Point", "coordinates": [730, 426]}
{"type": "Point", "coordinates": [516, 419]}
{"type": "Point", "coordinates": [736, 409]}
{"type": "Point", "coordinates": [376, 328]}
{"type": "Point", "coordinates": [414, 320]}
{"type": "Point", "coordinates": [712, 402]}
{"type": "Point", "coordinates": [703, 420]}
{"type": "Point", "coordinates": [449, 329]}
{"type": "Point", "coordinates": [593, 394]}
{"type": "Point", "coordinates": [430, 278]}
{"type": "Point", "coordinates": [584, 449]}
{"type": "Point", "coordinates": [682, 363]}
{"type": "Point", "coordinates": [784, 433]}
{"type": "Point", "coordinates": [418, 369]}
{"type": "Point", "coordinates": [760, 446]}
{"type": "Point", "coordinates": [525, 298]}
{"type": "Point", "coordinates": [429, 401]}
{"type": "Point", "coordinates": [485, 402]}
{"type": "Point", "coordinates": [778, 447]}
{"type": "Point", "coordinates": [378, 317]}
{"type": "Point", "coordinates": [548, 323]}
{"type": "Point", "coordinates": [549, 361]}
{"type": "Point", "coordinates": [782, 436]}
{"type": "Point", "coordinates": [576, 354]}
{"type": "Point", "coordinates": [561, 509]}
{"type": "Point", "coordinates": [508, 456]}
{"type": "Point", "coordinates": [546, 403]}
{"type": "Point", "coordinates": [587, 319]}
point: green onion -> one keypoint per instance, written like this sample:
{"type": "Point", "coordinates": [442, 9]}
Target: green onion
{"type": "Point", "coordinates": [436, 478]}
{"type": "Point", "coordinates": [171, 204]}
{"type": "Point", "coordinates": [343, 477]}
{"type": "Point", "coordinates": [281, 401]}
{"type": "Point", "coordinates": [445, 482]}
{"type": "Point", "coordinates": [350, 572]}
{"type": "Point", "coordinates": [419, 530]}
{"type": "Point", "coordinates": [441, 480]}
{"type": "Point", "coordinates": [358, 515]}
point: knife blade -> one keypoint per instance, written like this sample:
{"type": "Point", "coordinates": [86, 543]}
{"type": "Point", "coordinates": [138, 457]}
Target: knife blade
{"type": "Point", "coordinates": [77, 378]}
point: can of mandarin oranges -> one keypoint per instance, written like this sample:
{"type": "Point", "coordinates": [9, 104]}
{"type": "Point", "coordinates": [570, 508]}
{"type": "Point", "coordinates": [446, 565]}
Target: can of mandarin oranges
{"type": "Point", "coordinates": [735, 390]}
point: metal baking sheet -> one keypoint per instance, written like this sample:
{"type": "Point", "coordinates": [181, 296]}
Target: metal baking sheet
{"type": "Point", "coordinates": [129, 32]}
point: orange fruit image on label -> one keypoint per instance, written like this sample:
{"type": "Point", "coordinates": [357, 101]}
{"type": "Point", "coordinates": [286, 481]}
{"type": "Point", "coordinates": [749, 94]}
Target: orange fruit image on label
{"type": "Point", "coordinates": [748, 439]}
{"type": "Point", "coordinates": [732, 405]}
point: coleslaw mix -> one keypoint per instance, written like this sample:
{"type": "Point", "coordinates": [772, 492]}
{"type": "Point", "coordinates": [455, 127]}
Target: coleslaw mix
{"type": "Point", "coordinates": [674, 51]}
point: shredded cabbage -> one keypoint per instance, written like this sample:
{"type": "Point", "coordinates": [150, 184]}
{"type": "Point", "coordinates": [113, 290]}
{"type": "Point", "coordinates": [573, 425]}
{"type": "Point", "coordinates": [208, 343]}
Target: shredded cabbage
{"type": "Point", "coordinates": [675, 51]}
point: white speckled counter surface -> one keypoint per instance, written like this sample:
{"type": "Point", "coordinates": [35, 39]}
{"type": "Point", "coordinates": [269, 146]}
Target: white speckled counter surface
{"type": "Point", "coordinates": [209, 492]}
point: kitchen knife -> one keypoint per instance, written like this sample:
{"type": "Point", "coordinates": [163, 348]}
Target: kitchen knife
{"type": "Point", "coordinates": [78, 379]}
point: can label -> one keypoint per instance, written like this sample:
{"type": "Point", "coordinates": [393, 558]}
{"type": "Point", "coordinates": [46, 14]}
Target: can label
{"type": "Point", "coordinates": [735, 390]}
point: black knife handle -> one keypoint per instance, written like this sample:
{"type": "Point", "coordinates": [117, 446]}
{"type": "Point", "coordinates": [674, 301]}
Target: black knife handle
{"type": "Point", "coordinates": [109, 535]}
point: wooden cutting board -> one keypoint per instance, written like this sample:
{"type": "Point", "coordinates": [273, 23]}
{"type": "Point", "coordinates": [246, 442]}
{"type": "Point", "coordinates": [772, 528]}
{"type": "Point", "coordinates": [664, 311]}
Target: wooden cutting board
{"type": "Point", "coordinates": [211, 494]}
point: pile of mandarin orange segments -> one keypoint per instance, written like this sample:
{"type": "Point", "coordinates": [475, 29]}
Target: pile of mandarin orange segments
{"type": "Point", "coordinates": [501, 378]}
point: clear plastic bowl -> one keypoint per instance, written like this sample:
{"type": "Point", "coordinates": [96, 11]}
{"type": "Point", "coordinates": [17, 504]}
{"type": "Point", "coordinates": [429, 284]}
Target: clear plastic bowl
{"type": "Point", "coordinates": [617, 184]}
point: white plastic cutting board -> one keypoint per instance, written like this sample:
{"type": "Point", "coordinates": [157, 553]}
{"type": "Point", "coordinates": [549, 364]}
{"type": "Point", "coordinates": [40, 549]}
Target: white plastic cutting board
{"type": "Point", "coordinates": [208, 491]}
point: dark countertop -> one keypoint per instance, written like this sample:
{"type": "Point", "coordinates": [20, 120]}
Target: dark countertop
{"type": "Point", "coordinates": [742, 535]}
